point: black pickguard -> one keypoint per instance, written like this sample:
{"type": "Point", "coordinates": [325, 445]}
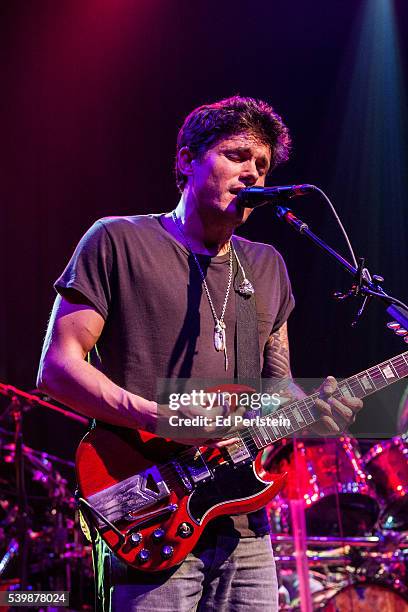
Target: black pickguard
{"type": "Point", "coordinates": [229, 484]}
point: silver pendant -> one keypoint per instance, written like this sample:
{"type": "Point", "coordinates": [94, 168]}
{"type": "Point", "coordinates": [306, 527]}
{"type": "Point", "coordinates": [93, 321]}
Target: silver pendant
{"type": "Point", "coordinates": [246, 288]}
{"type": "Point", "coordinates": [219, 336]}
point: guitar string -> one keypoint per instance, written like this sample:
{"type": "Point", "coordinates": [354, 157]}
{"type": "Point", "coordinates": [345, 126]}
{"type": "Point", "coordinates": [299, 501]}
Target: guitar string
{"type": "Point", "coordinates": [250, 435]}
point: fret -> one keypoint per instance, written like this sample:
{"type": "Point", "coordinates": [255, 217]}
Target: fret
{"type": "Point", "coordinates": [283, 432]}
{"type": "Point", "coordinates": [400, 367]}
{"type": "Point", "coordinates": [264, 434]}
{"type": "Point", "coordinates": [299, 417]}
{"type": "Point", "coordinates": [361, 390]}
{"type": "Point", "coordinates": [356, 387]}
{"type": "Point", "coordinates": [291, 428]}
{"type": "Point", "coordinates": [387, 371]}
{"type": "Point", "coordinates": [271, 435]}
{"type": "Point", "coordinates": [377, 377]}
{"type": "Point", "coordinates": [366, 382]}
{"type": "Point", "coordinates": [394, 371]}
{"type": "Point", "coordinates": [345, 389]}
{"type": "Point", "coordinates": [247, 439]}
{"type": "Point", "coordinates": [276, 432]}
{"type": "Point", "coordinates": [256, 438]}
{"type": "Point", "coordinates": [260, 436]}
{"type": "Point", "coordinates": [303, 413]}
{"type": "Point", "coordinates": [308, 412]}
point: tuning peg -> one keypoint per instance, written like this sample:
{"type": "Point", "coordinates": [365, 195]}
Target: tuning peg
{"type": "Point", "coordinates": [397, 329]}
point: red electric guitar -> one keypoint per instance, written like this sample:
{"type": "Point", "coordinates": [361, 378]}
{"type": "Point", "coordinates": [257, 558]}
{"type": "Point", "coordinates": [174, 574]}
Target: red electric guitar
{"type": "Point", "coordinates": [150, 498]}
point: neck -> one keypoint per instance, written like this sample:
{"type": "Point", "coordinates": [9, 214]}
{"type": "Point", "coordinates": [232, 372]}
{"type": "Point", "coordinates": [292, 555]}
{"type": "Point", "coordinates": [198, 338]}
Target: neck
{"type": "Point", "coordinates": [208, 231]}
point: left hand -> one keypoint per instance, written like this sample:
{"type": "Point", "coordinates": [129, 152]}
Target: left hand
{"type": "Point", "coordinates": [334, 411]}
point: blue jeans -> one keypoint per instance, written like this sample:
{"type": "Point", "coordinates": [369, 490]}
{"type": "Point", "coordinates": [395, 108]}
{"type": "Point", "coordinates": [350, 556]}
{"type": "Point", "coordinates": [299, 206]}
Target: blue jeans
{"type": "Point", "coordinates": [224, 573]}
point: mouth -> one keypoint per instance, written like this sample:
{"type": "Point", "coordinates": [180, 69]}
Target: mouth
{"type": "Point", "coordinates": [236, 190]}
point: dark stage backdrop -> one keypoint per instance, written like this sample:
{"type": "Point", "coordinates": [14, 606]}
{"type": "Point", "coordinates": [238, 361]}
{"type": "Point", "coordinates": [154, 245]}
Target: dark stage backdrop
{"type": "Point", "coordinates": [93, 93]}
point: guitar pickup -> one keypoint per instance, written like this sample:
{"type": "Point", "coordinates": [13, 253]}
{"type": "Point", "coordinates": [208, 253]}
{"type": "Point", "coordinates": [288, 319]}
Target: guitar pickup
{"type": "Point", "coordinates": [182, 475]}
{"type": "Point", "coordinates": [237, 452]}
{"type": "Point", "coordinates": [197, 468]}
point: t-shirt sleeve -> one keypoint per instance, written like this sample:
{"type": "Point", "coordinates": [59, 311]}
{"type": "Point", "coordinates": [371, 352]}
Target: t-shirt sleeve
{"type": "Point", "coordinates": [287, 301]}
{"type": "Point", "coordinates": [89, 269]}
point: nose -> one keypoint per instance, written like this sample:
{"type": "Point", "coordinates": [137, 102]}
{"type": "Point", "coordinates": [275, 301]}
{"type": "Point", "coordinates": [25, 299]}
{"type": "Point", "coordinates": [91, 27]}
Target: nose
{"type": "Point", "coordinates": [249, 173]}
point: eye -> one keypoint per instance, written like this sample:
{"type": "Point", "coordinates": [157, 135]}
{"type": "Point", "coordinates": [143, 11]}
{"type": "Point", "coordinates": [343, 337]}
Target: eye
{"type": "Point", "coordinates": [234, 156]}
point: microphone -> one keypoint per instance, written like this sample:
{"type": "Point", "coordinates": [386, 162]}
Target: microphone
{"type": "Point", "coordinates": [250, 197]}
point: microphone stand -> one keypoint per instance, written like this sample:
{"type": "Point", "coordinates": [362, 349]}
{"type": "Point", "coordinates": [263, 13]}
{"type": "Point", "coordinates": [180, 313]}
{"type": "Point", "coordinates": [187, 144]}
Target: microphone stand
{"type": "Point", "coordinates": [364, 285]}
{"type": "Point", "coordinates": [368, 287]}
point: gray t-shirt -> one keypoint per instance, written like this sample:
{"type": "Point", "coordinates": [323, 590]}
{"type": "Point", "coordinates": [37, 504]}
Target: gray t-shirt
{"type": "Point", "coordinates": [158, 321]}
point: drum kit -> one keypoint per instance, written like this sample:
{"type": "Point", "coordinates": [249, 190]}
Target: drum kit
{"type": "Point", "coordinates": [355, 500]}
{"type": "Point", "coordinates": [41, 544]}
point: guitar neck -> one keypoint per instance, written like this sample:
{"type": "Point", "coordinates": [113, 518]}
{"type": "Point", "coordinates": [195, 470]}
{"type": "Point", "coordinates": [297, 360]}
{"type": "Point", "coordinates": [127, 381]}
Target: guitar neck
{"type": "Point", "coordinates": [303, 413]}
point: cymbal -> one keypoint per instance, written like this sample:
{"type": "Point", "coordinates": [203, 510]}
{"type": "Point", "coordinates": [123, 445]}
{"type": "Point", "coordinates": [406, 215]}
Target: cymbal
{"type": "Point", "coordinates": [28, 451]}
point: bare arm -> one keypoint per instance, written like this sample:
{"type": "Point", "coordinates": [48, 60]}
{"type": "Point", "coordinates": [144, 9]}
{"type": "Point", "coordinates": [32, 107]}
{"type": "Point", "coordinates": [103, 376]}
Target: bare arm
{"type": "Point", "coordinates": [277, 370]}
{"type": "Point", "coordinates": [64, 374]}
{"type": "Point", "coordinates": [277, 363]}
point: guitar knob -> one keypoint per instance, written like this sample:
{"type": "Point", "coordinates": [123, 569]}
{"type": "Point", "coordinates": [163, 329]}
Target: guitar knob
{"type": "Point", "coordinates": [167, 552]}
{"type": "Point", "coordinates": [158, 535]}
{"type": "Point", "coordinates": [185, 530]}
{"type": "Point", "coordinates": [143, 555]}
{"type": "Point", "coordinates": [136, 537]}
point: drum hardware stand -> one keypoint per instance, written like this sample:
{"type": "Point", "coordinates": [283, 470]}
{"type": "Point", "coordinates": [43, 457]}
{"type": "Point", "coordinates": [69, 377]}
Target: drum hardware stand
{"type": "Point", "coordinates": [12, 550]}
{"type": "Point", "coordinates": [297, 512]}
{"type": "Point", "coordinates": [35, 401]}
{"type": "Point", "coordinates": [364, 284]}
{"type": "Point", "coordinates": [22, 520]}
{"type": "Point", "coordinates": [21, 402]}
{"type": "Point", "coordinates": [355, 542]}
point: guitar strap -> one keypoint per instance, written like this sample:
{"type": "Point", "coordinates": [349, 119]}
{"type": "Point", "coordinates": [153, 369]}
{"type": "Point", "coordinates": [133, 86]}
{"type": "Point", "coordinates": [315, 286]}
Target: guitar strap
{"type": "Point", "coordinates": [247, 362]}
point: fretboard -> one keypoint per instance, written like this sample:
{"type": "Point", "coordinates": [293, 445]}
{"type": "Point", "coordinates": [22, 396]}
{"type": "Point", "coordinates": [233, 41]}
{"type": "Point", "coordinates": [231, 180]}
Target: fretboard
{"type": "Point", "coordinates": [303, 413]}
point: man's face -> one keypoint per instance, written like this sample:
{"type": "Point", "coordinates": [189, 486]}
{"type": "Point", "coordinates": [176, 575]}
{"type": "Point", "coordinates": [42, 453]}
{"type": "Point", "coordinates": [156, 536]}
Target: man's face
{"type": "Point", "coordinates": [229, 166]}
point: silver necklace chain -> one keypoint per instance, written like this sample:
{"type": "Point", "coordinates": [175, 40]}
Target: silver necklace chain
{"type": "Point", "coordinates": [220, 343]}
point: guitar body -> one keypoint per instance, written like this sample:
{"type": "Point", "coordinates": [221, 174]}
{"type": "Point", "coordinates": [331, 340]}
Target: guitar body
{"type": "Point", "coordinates": [161, 495]}
{"type": "Point", "coordinates": [151, 498]}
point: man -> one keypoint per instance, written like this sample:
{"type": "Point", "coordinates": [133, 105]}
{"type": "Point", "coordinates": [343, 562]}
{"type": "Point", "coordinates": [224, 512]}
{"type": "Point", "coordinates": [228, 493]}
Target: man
{"type": "Point", "coordinates": [156, 293]}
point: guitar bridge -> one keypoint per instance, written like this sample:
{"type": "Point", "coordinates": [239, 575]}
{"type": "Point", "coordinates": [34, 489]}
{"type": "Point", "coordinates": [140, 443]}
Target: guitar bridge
{"type": "Point", "coordinates": [148, 516]}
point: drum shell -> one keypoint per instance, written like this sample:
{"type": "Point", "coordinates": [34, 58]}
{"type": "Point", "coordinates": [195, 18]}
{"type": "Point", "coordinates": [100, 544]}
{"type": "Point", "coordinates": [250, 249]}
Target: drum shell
{"type": "Point", "coordinates": [328, 474]}
{"type": "Point", "coordinates": [364, 597]}
{"type": "Point", "coordinates": [387, 463]}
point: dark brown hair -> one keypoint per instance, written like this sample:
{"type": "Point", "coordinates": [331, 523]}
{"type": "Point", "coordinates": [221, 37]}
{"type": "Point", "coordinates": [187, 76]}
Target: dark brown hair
{"type": "Point", "coordinates": [210, 123]}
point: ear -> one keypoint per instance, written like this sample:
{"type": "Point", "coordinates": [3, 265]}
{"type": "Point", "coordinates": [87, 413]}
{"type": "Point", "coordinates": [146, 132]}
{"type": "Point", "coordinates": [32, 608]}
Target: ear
{"type": "Point", "coordinates": [185, 160]}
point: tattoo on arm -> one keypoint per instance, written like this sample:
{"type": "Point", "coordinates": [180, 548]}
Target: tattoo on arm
{"type": "Point", "coordinates": [277, 362]}
{"type": "Point", "coordinates": [277, 365]}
